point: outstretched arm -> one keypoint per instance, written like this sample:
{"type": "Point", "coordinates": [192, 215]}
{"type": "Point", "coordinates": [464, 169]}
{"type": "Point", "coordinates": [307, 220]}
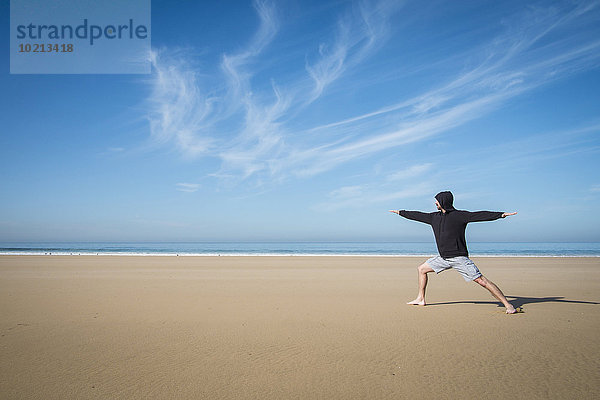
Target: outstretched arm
{"type": "Point", "coordinates": [414, 215]}
{"type": "Point", "coordinates": [479, 216]}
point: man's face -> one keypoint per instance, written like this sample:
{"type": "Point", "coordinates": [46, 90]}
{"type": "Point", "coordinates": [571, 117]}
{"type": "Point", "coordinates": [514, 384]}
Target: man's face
{"type": "Point", "coordinates": [437, 204]}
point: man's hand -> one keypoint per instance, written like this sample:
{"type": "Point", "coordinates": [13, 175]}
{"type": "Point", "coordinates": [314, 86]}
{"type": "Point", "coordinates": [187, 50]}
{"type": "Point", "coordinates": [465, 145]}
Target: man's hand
{"type": "Point", "coordinates": [504, 215]}
{"type": "Point", "coordinates": [395, 211]}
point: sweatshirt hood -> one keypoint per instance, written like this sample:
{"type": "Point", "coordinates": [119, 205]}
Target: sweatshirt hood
{"type": "Point", "coordinates": [445, 199]}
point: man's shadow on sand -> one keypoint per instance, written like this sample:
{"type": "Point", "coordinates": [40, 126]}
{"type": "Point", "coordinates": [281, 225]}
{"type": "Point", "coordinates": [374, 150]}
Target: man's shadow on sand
{"type": "Point", "coordinates": [517, 301]}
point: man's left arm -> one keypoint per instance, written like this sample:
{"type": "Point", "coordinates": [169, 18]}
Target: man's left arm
{"type": "Point", "coordinates": [479, 216]}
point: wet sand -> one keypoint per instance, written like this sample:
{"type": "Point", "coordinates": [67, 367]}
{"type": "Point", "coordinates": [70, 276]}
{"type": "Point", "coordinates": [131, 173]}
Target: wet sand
{"type": "Point", "coordinates": [112, 327]}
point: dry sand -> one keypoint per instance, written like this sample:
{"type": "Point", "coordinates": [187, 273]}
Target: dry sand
{"type": "Point", "coordinates": [110, 327]}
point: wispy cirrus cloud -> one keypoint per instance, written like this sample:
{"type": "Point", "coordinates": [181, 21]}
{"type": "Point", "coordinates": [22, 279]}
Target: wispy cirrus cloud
{"type": "Point", "coordinates": [394, 187]}
{"type": "Point", "coordinates": [516, 62]}
{"type": "Point", "coordinates": [255, 133]}
{"type": "Point", "coordinates": [186, 115]}
{"type": "Point", "coordinates": [519, 156]}
{"type": "Point", "coordinates": [410, 172]}
{"type": "Point", "coordinates": [178, 109]}
{"type": "Point", "coordinates": [368, 194]}
{"type": "Point", "coordinates": [358, 33]}
{"type": "Point", "coordinates": [188, 187]}
{"type": "Point", "coordinates": [188, 110]}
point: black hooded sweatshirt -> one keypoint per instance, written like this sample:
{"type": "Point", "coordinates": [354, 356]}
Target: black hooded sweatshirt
{"type": "Point", "coordinates": [449, 227]}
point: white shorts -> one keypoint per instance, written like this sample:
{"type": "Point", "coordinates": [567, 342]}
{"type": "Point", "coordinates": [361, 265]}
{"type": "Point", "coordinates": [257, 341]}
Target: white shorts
{"type": "Point", "coordinates": [462, 264]}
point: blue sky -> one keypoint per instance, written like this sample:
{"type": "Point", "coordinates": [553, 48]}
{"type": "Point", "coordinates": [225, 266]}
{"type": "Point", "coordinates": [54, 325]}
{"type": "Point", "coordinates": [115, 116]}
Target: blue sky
{"type": "Point", "coordinates": [308, 120]}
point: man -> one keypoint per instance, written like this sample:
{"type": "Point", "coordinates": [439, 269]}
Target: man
{"type": "Point", "coordinates": [449, 226]}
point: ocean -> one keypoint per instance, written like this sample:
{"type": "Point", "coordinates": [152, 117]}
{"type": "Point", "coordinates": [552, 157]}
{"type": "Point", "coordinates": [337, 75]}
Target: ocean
{"type": "Point", "coordinates": [487, 249]}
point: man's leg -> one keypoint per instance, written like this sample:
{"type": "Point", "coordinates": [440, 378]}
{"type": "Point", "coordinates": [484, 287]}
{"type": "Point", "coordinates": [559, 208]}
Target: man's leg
{"type": "Point", "coordinates": [422, 270]}
{"type": "Point", "coordinates": [496, 292]}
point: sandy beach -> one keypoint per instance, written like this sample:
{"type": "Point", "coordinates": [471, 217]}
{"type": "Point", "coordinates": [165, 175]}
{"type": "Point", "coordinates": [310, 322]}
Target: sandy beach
{"type": "Point", "coordinates": [112, 327]}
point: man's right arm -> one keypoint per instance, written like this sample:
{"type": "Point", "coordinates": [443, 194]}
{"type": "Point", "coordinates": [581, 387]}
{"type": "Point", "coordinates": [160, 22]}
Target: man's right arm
{"type": "Point", "coordinates": [415, 215]}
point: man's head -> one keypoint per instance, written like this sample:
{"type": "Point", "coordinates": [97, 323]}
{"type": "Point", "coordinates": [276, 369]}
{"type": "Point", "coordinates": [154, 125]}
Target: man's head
{"type": "Point", "coordinates": [444, 200]}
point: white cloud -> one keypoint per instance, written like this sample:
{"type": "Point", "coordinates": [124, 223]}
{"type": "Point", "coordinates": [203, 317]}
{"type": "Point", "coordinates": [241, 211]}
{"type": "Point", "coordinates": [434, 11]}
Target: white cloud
{"type": "Point", "coordinates": [373, 193]}
{"type": "Point", "coordinates": [188, 187]}
{"type": "Point", "coordinates": [357, 34]}
{"type": "Point", "coordinates": [254, 133]}
{"type": "Point", "coordinates": [347, 192]}
{"type": "Point", "coordinates": [410, 172]}
{"type": "Point", "coordinates": [515, 64]}
{"type": "Point", "coordinates": [178, 108]}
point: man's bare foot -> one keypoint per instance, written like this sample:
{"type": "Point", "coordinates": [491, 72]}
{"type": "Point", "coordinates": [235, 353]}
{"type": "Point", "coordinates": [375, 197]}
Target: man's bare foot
{"type": "Point", "coordinates": [511, 310]}
{"type": "Point", "coordinates": [417, 302]}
